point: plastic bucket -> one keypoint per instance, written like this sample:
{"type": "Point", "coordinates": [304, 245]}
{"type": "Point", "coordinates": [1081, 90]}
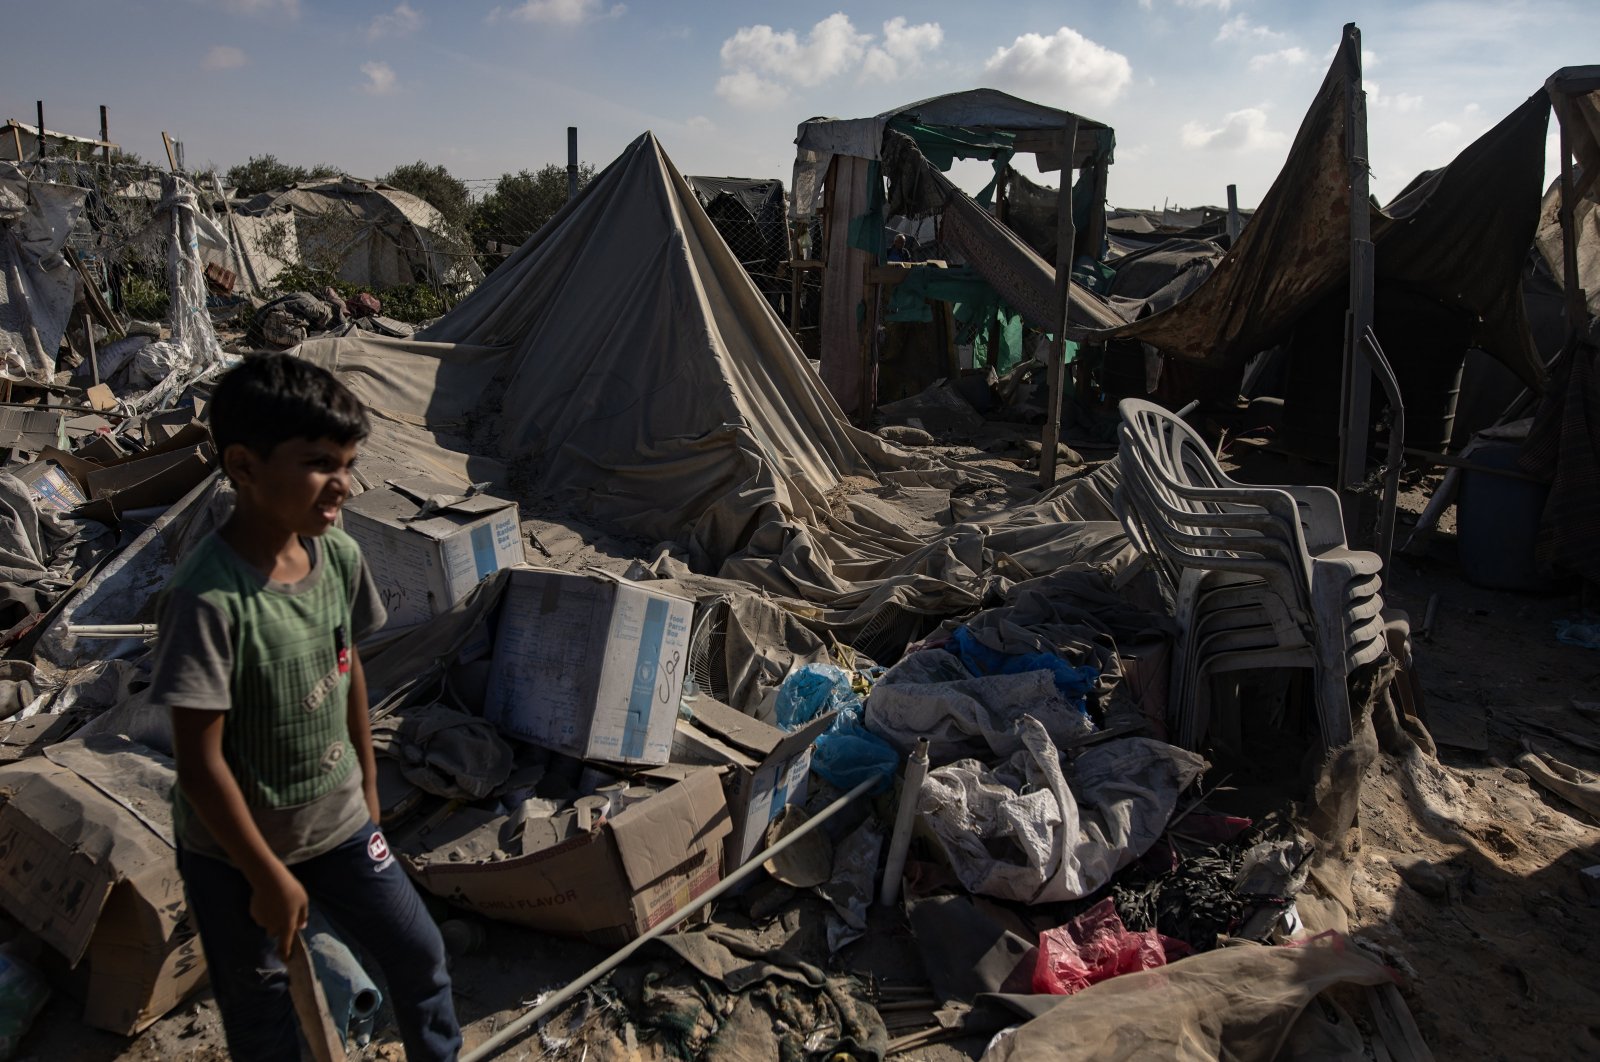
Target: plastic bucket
{"type": "Point", "coordinates": [1497, 522]}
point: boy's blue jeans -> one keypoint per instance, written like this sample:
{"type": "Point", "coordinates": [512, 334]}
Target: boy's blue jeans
{"type": "Point", "coordinates": [361, 888]}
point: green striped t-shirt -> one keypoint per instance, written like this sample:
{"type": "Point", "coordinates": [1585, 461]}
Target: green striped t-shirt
{"type": "Point", "coordinates": [274, 656]}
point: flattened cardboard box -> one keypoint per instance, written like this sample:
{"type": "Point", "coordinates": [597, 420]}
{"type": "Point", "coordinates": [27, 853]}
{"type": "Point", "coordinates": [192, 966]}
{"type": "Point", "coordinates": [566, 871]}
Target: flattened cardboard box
{"type": "Point", "coordinates": [589, 665]}
{"type": "Point", "coordinates": [87, 862]}
{"type": "Point", "coordinates": [609, 884]}
{"type": "Point", "coordinates": [423, 563]}
{"type": "Point", "coordinates": [767, 768]}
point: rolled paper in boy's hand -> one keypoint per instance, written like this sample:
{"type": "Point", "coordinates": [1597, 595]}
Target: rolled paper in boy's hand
{"type": "Point", "coordinates": [311, 1005]}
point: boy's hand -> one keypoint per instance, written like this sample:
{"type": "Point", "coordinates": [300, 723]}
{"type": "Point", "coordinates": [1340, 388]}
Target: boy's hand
{"type": "Point", "coordinates": [279, 905]}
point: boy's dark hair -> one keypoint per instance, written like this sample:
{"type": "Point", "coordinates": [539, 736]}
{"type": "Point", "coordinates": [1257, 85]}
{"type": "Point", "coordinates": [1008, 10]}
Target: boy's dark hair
{"type": "Point", "coordinates": [272, 398]}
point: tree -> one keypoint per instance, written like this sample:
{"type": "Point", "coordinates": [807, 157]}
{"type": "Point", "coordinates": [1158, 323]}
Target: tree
{"type": "Point", "coordinates": [262, 173]}
{"type": "Point", "coordinates": [521, 203]}
{"type": "Point", "coordinates": [446, 193]}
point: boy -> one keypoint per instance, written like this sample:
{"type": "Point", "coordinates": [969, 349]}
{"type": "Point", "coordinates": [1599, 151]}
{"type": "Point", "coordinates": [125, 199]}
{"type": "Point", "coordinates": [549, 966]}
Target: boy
{"type": "Point", "coordinates": [276, 800]}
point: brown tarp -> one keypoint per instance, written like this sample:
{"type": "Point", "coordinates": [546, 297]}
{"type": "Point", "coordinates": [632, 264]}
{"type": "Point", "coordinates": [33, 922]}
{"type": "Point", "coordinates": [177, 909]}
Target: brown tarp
{"type": "Point", "coordinates": [1458, 235]}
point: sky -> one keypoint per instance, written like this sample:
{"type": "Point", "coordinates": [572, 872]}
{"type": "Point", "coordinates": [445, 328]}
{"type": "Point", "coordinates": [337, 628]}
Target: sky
{"type": "Point", "coordinates": [1201, 93]}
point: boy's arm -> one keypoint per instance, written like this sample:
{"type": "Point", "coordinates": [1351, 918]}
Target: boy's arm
{"type": "Point", "coordinates": [277, 900]}
{"type": "Point", "coordinates": [359, 717]}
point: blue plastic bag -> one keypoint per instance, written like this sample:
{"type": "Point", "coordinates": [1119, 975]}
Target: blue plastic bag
{"type": "Point", "coordinates": [1073, 682]}
{"type": "Point", "coordinates": [812, 690]}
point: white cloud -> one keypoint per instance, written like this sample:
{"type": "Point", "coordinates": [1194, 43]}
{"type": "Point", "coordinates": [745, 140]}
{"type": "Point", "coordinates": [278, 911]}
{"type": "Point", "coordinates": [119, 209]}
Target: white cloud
{"type": "Point", "coordinates": [1282, 57]}
{"type": "Point", "coordinates": [1240, 131]}
{"type": "Point", "coordinates": [1240, 28]}
{"type": "Point", "coordinates": [558, 12]}
{"type": "Point", "coordinates": [381, 79]}
{"type": "Point", "coordinates": [832, 47]}
{"type": "Point", "coordinates": [903, 49]}
{"type": "Point", "coordinates": [1065, 68]}
{"type": "Point", "coordinates": [403, 20]}
{"type": "Point", "coordinates": [747, 89]}
{"type": "Point", "coordinates": [1220, 5]}
{"type": "Point", "coordinates": [1400, 103]}
{"type": "Point", "coordinates": [224, 57]}
{"type": "Point", "coordinates": [1443, 131]}
{"type": "Point", "coordinates": [700, 124]}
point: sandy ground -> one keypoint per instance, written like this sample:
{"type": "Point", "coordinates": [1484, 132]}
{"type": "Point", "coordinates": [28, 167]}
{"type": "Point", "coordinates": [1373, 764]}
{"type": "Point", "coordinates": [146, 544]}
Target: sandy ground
{"type": "Point", "coordinates": [1468, 881]}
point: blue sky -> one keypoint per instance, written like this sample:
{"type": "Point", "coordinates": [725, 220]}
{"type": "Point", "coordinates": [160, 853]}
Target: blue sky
{"type": "Point", "coordinates": [1201, 92]}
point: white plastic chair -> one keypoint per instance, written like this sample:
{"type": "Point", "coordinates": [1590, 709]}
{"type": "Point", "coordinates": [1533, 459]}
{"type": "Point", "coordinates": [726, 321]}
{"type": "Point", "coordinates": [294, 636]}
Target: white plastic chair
{"type": "Point", "coordinates": [1263, 575]}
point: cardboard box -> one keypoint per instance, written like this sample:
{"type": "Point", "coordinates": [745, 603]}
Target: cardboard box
{"type": "Point", "coordinates": [87, 862]}
{"type": "Point", "coordinates": [589, 665]}
{"type": "Point", "coordinates": [767, 768]}
{"type": "Point", "coordinates": [428, 544]}
{"type": "Point", "coordinates": [609, 884]}
{"type": "Point", "coordinates": [52, 486]}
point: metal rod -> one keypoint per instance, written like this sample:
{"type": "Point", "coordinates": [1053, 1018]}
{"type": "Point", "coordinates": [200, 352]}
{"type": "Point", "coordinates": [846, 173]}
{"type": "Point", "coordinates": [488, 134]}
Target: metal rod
{"type": "Point", "coordinates": [1066, 236]}
{"type": "Point", "coordinates": [1234, 222]}
{"type": "Point", "coordinates": [572, 162]}
{"type": "Point", "coordinates": [905, 817]}
{"type": "Point", "coordinates": [94, 357]}
{"type": "Point", "coordinates": [105, 144]}
{"type": "Point", "coordinates": [1383, 534]}
{"type": "Point", "coordinates": [41, 129]}
{"type": "Point", "coordinates": [1356, 391]}
{"type": "Point", "coordinates": [490, 1047]}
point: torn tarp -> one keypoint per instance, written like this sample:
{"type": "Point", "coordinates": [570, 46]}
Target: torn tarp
{"type": "Point", "coordinates": [1029, 831]}
{"type": "Point", "coordinates": [38, 285]}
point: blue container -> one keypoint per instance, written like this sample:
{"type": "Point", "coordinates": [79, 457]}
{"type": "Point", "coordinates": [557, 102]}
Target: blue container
{"type": "Point", "coordinates": [1497, 523]}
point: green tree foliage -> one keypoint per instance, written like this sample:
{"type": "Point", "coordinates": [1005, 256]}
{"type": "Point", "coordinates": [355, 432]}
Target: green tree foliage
{"type": "Point", "coordinates": [446, 193]}
{"type": "Point", "coordinates": [262, 173]}
{"type": "Point", "coordinates": [520, 204]}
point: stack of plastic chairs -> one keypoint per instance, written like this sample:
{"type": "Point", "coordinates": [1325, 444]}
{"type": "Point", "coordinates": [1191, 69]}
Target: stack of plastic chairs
{"type": "Point", "coordinates": [1263, 575]}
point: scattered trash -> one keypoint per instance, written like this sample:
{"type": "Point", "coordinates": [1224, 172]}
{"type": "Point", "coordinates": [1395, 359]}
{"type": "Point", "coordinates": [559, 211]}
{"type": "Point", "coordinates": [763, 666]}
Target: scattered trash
{"type": "Point", "coordinates": [1095, 946]}
{"type": "Point", "coordinates": [1579, 633]}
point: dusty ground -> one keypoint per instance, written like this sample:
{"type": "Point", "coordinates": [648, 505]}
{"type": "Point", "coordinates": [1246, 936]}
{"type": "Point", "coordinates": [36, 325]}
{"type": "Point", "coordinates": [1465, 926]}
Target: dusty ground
{"type": "Point", "coordinates": [1468, 879]}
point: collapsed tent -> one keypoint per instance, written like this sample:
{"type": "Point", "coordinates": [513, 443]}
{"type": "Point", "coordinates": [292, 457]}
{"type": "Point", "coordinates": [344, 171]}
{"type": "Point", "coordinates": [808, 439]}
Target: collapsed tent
{"type": "Point", "coordinates": [1457, 237]}
{"type": "Point", "coordinates": [36, 291]}
{"type": "Point", "coordinates": [380, 236]}
{"type": "Point", "coordinates": [622, 365]}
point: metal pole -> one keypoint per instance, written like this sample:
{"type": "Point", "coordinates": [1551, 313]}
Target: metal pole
{"type": "Point", "coordinates": [105, 138]}
{"type": "Point", "coordinates": [491, 1047]}
{"type": "Point", "coordinates": [1383, 533]}
{"type": "Point", "coordinates": [41, 129]}
{"type": "Point", "coordinates": [1234, 224]}
{"type": "Point", "coordinates": [572, 162]}
{"type": "Point", "coordinates": [1066, 236]}
{"type": "Point", "coordinates": [94, 358]}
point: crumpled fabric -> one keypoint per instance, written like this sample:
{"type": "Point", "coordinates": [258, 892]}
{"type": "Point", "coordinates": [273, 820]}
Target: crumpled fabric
{"type": "Point", "coordinates": [1234, 1003]}
{"type": "Point", "coordinates": [1021, 831]}
{"type": "Point", "coordinates": [444, 752]}
{"type": "Point", "coordinates": [931, 694]}
{"type": "Point", "coordinates": [736, 994]}
{"type": "Point", "coordinates": [36, 218]}
{"type": "Point", "coordinates": [1096, 946]}
{"type": "Point", "coordinates": [852, 886]}
{"type": "Point", "coordinates": [980, 659]}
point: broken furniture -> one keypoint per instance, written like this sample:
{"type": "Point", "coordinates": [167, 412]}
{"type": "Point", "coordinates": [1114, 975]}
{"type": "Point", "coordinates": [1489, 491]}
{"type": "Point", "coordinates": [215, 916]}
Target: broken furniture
{"type": "Point", "coordinates": [1263, 575]}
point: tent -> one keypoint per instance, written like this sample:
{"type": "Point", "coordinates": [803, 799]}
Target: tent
{"type": "Point", "coordinates": [378, 236]}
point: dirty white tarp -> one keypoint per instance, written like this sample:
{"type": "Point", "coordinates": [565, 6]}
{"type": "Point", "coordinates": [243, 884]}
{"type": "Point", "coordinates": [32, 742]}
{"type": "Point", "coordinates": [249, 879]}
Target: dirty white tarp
{"type": "Point", "coordinates": [37, 282]}
{"type": "Point", "coordinates": [1028, 831]}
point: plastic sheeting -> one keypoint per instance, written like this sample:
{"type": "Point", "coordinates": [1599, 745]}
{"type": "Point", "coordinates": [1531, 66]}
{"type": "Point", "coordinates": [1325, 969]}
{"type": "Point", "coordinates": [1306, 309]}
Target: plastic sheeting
{"type": "Point", "coordinates": [37, 283]}
{"type": "Point", "coordinates": [1029, 831]}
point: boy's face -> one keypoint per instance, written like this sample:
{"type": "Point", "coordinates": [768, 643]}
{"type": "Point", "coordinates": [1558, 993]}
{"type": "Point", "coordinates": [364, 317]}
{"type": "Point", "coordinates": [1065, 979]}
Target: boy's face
{"type": "Point", "coordinates": [299, 486]}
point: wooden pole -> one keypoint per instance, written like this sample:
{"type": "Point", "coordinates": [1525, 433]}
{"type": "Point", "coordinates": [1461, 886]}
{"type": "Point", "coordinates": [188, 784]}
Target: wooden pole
{"type": "Point", "coordinates": [105, 137]}
{"type": "Point", "coordinates": [1234, 224]}
{"type": "Point", "coordinates": [16, 136]}
{"type": "Point", "coordinates": [1357, 384]}
{"type": "Point", "coordinates": [1066, 236]}
{"type": "Point", "coordinates": [172, 163]}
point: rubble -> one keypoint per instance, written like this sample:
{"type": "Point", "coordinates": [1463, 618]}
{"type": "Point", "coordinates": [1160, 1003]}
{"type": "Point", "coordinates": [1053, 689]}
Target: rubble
{"type": "Point", "coordinates": [678, 740]}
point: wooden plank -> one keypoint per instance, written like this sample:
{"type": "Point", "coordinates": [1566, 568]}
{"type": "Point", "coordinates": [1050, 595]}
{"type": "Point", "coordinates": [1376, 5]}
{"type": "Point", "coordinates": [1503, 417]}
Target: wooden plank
{"type": "Point", "coordinates": [1356, 406]}
{"type": "Point", "coordinates": [311, 1006]}
{"type": "Point", "coordinates": [1066, 235]}
{"type": "Point", "coordinates": [844, 283]}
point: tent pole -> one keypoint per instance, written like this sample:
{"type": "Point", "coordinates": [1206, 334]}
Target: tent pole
{"type": "Point", "coordinates": [1233, 215]}
{"type": "Point", "coordinates": [105, 138]}
{"type": "Point", "coordinates": [41, 129]}
{"type": "Point", "coordinates": [1066, 235]}
{"type": "Point", "coordinates": [572, 163]}
{"type": "Point", "coordinates": [1577, 311]}
{"type": "Point", "coordinates": [1357, 389]}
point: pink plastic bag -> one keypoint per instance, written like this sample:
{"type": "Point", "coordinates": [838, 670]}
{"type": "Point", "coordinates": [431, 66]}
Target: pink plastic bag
{"type": "Point", "coordinates": [1095, 946]}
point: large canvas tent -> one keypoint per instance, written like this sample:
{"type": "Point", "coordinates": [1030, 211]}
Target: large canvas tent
{"type": "Point", "coordinates": [379, 236]}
